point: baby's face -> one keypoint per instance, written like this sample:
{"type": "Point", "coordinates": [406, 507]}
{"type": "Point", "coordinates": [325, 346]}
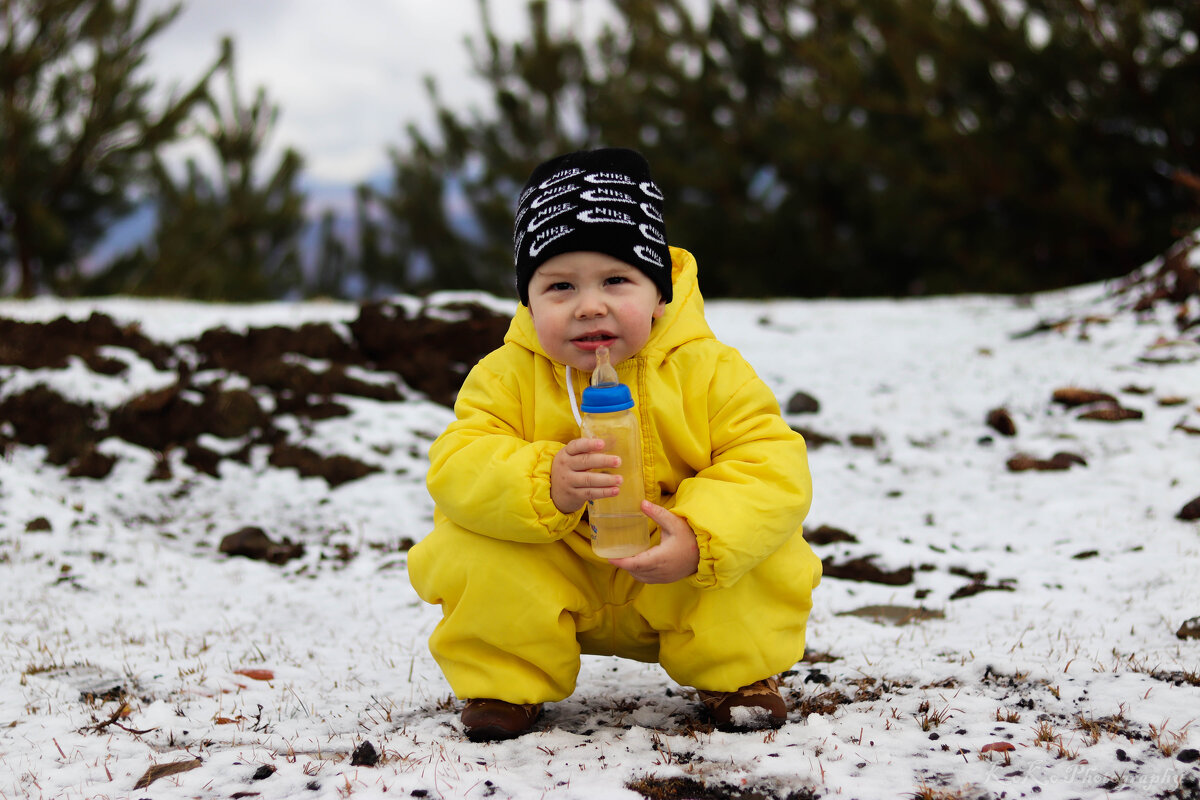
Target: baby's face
{"type": "Point", "coordinates": [580, 301]}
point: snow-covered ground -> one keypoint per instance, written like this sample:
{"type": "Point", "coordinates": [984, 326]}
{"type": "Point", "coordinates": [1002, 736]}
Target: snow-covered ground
{"type": "Point", "coordinates": [1041, 613]}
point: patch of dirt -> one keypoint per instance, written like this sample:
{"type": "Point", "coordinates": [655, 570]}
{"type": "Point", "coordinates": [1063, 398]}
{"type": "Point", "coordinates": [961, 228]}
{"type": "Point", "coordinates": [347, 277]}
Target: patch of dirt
{"type": "Point", "coordinates": [1188, 789]}
{"type": "Point", "coordinates": [291, 372]}
{"type": "Point", "coordinates": [40, 416]}
{"type": "Point", "coordinates": [894, 614]}
{"type": "Point", "coordinates": [253, 543]}
{"type": "Point", "coordinates": [41, 345]}
{"type": "Point", "coordinates": [681, 788]}
{"type": "Point", "coordinates": [1175, 282]}
{"type": "Point", "coordinates": [977, 587]}
{"type": "Point", "coordinates": [336, 469]}
{"type": "Point", "coordinates": [827, 534]}
{"type": "Point", "coordinates": [813, 439]}
{"type": "Point", "coordinates": [864, 569]}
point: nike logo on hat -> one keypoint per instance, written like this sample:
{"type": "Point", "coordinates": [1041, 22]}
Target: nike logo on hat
{"type": "Point", "coordinates": [547, 236]}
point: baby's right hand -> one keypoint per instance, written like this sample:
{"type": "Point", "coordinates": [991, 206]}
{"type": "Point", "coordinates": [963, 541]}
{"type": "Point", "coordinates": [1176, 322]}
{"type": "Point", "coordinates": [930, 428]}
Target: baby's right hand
{"type": "Point", "coordinates": [572, 480]}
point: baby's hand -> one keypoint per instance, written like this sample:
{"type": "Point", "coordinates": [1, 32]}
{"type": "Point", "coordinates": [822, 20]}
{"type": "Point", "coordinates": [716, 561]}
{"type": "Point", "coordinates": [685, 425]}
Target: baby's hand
{"type": "Point", "coordinates": [572, 481]}
{"type": "Point", "coordinates": [676, 557]}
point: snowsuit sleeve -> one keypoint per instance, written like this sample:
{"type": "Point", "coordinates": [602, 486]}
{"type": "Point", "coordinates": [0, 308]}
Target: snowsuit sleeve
{"type": "Point", "coordinates": [755, 494]}
{"type": "Point", "coordinates": [485, 476]}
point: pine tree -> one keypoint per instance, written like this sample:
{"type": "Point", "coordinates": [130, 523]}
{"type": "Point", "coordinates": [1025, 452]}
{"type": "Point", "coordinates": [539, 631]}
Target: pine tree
{"type": "Point", "coordinates": [333, 262]}
{"type": "Point", "coordinates": [229, 237]}
{"type": "Point", "coordinates": [852, 147]}
{"type": "Point", "coordinates": [78, 130]}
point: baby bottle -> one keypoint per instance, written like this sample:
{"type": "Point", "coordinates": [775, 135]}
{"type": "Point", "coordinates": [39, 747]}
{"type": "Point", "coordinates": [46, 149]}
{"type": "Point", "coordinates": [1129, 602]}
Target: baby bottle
{"type": "Point", "coordinates": [619, 528]}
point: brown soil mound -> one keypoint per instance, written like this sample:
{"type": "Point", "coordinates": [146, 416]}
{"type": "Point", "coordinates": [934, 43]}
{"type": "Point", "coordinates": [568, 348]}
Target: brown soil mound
{"type": "Point", "coordinates": [292, 371]}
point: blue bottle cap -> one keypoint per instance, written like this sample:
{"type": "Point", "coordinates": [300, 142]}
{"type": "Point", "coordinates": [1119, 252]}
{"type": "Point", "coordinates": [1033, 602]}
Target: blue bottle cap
{"type": "Point", "coordinates": [606, 399]}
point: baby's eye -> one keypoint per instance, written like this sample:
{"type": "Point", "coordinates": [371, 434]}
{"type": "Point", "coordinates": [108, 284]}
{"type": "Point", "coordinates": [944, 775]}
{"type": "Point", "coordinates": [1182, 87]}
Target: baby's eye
{"type": "Point", "coordinates": [560, 286]}
{"type": "Point", "coordinates": [616, 279]}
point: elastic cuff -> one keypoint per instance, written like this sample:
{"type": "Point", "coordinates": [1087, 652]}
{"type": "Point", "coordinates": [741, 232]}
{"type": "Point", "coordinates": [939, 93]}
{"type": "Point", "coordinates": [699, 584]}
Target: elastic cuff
{"type": "Point", "coordinates": [555, 521]}
{"type": "Point", "coordinates": [706, 571]}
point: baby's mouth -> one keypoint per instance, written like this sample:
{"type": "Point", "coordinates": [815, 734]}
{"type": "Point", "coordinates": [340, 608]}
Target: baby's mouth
{"type": "Point", "coordinates": [593, 340]}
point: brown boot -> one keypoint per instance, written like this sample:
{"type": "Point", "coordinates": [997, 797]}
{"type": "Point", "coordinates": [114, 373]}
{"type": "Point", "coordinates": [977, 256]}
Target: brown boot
{"type": "Point", "coordinates": [752, 707]}
{"type": "Point", "coordinates": [487, 720]}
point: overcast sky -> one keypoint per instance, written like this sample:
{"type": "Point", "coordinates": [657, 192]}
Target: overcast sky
{"type": "Point", "coordinates": [347, 76]}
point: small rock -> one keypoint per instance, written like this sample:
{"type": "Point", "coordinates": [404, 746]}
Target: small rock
{"type": "Point", "coordinates": [803, 403]}
{"type": "Point", "coordinates": [813, 439]}
{"type": "Point", "coordinates": [364, 756]}
{"type": "Point", "coordinates": [1021, 462]}
{"type": "Point", "coordinates": [1189, 629]}
{"type": "Point", "coordinates": [254, 543]}
{"type": "Point", "coordinates": [39, 525]}
{"type": "Point", "coordinates": [103, 691]}
{"type": "Point", "coordinates": [263, 772]}
{"type": "Point", "coordinates": [999, 420]}
{"type": "Point", "coordinates": [1188, 513]}
{"type": "Point", "coordinates": [1062, 460]}
{"type": "Point", "coordinates": [1188, 756]}
{"type": "Point", "coordinates": [1112, 414]}
{"type": "Point", "coordinates": [1072, 397]}
{"type": "Point", "coordinates": [1059, 461]}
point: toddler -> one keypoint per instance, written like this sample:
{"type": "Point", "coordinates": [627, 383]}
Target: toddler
{"type": "Point", "coordinates": [721, 598]}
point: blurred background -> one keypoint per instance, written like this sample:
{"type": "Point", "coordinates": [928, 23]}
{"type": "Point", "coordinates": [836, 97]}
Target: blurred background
{"type": "Point", "coordinates": [233, 151]}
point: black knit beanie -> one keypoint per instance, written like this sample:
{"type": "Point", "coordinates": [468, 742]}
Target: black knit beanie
{"type": "Point", "coordinates": [602, 201]}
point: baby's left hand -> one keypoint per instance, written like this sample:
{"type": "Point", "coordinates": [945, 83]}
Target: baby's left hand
{"type": "Point", "coordinates": [676, 557]}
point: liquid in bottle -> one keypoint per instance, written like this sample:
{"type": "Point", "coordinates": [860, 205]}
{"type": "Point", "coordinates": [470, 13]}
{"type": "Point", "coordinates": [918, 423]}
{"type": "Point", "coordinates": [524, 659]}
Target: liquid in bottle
{"type": "Point", "coordinates": [619, 528]}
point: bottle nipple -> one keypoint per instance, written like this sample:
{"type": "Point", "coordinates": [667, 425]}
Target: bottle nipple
{"type": "Point", "coordinates": [604, 374]}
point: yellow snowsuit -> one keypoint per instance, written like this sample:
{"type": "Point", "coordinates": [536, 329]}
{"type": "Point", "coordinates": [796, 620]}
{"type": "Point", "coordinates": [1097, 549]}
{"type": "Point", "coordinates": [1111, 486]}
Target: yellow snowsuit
{"type": "Point", "coordinates": [522, 595]}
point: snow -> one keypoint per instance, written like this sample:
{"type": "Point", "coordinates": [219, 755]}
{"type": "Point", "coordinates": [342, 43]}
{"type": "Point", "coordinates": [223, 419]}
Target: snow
{"type": "Point", "coordinates": [1070, 655]}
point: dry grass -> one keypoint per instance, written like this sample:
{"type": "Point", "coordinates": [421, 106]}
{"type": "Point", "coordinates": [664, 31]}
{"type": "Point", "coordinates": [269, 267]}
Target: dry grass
{"type": "Point", "coordinates": [1096, 727]}
{"type": "Point", "coordinates": [929, 719]}
{"type": "Point", "coordinates": [926, 792]}
{"type": "Point", "coordinates": [1007, 715]}
{"type": "Point", "coordinates": [1167, 741]}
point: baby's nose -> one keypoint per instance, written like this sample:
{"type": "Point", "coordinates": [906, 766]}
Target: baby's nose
{"type": "Point", "coordinates": [591, 304]}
